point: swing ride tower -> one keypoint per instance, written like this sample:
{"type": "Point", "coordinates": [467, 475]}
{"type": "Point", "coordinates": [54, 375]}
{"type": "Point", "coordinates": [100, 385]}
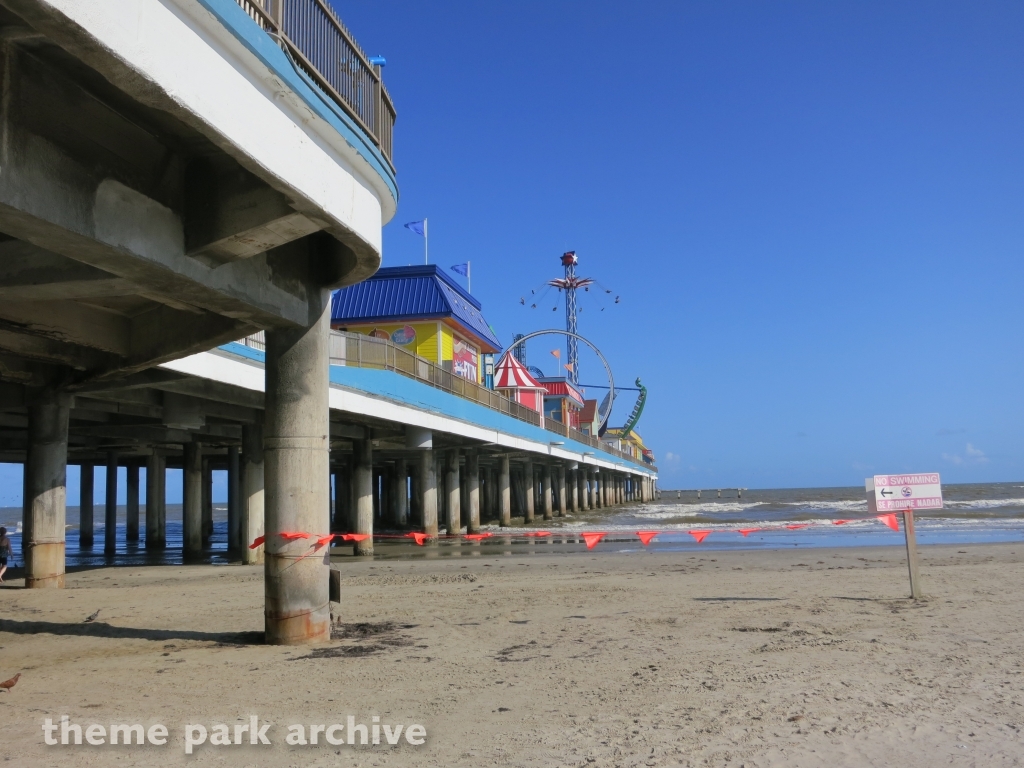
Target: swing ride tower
{"type": "Point", "coordinates": [569, 284]}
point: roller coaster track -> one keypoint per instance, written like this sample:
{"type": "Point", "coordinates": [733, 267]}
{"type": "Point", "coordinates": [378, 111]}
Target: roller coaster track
{"type": "Point", "coordinates": [638, 409]}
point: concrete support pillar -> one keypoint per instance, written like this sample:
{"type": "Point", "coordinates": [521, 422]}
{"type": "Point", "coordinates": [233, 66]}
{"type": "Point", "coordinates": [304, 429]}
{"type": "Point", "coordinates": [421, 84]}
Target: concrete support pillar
{"type": "Point", "coordinates": [192, 501]}
{"type": "Point", "coordinates": [362, 485]}
{"type": "Point", "coordinates": [207, 526]}
{"type": "Point", "coordinates": [251, 492]}
{"type": "Point", "coordinates": [574, 496]}
{"type": "Point", "coordinates": [427, 487]}
{"type": "Point", "coordinates": [561, 496]}
{"type": "Point", "coordinates": [45, 491]}
{"type": "Point", "coordinates": [297, 461]}
{"type": "Point", "coordinates": [86, 491]}
{"type": "Point", "coordinates": [235, 542]}
{"type": "Point", "coordinates": [530, 486]}
{"type": "Point", "coordinates": [473, 486]}
{"type": "Point", "coordinates": [581, 481]}
{"type": "Point", "coordinates": [132, 503]}
{"type": "Point", "coordinates": [377, 494]}
{"type": "Point", "coordinates": [156, 510]}
{"type": "Point", "coordinates": [546, 492]}
{"type": "Point", "coordinates": [401, 493]}
{"type": "Point", "coordinates": [504, 491]}
{"type": "Point", "coordinates": [338, 509]}
{"type": "Point", "coordinates": [454, 493]}
{"type": "Point", "coordinates": [110, 507]}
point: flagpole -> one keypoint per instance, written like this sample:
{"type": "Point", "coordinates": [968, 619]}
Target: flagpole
{"type": "Point", "coordinates": [426, 243]}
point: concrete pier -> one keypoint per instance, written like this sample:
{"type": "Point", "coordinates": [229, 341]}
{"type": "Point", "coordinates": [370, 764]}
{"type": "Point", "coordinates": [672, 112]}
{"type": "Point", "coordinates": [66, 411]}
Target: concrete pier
{"type": "Point", "coordinates": [45, 490]}
{"type": "Point", "coordinates": [234, 503]}
{"type": "Point", "coordinates": [86, 491]}
{"type": "Point", "coordinates": [156, 513]}
{"type": "Point", "coordinates": [207, 526]}
{"type": "Point", "coordinates": [192, 501]}
{"type": "Point", "coordinates": [504, 491]}
{"type": "Point", "coordinates": [401, 493]}
{"type": "Point", "coordinates": [252, 493]}
{"type": "Point", "coordinates": [427, 487]}
{"type": "Point", "coordinates": [362, 494]}
{"type": "Point", "coordinates": [454, 493]}
{"type": "Point", "coordinates": [574, 486]}
{"type": "Point", "coordinates": [546, 492]}
{"type": "Point", "coordinates": [132, 502]}
{"type": "Point", "coordinates": [561, 495]}
{"type": "Point", "coordinates": [530, 488]}
{"type": "Point", "coordinates": [297, 461]}
{"type": "Point", "coordinates": [473, 486]}
{"type": "Point", "coordinates": [110, 506]}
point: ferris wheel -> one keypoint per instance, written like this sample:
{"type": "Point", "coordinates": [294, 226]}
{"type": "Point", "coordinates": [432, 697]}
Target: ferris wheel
{"type": "Point", "coordinates": [606, 407]}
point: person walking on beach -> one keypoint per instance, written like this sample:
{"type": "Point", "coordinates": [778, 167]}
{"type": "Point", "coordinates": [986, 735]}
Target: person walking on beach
{"type": "Point", "coordinates": [5, 552]}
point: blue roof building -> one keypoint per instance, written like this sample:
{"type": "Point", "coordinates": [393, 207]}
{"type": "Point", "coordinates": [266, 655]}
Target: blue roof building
{"type": "Point", "coordinates": [422, 309]}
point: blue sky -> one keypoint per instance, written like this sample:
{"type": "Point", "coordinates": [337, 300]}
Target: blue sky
{"type": "Point", "coordinates": [812, 213]}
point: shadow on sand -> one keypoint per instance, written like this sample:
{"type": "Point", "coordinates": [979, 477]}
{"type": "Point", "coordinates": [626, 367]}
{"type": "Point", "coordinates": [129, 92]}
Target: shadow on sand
{"type": "Point", "coordinates": [99, 629]}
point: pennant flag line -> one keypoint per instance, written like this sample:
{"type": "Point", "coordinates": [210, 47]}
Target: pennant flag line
{"type": "Point", "coordinates": [890, 520]}
{"type": "Point", "coordinates": [590, 538]}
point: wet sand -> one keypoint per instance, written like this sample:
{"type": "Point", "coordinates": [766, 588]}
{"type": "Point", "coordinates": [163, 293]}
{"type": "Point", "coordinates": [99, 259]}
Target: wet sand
{"type": "Point", "coordinates": [763, 658]}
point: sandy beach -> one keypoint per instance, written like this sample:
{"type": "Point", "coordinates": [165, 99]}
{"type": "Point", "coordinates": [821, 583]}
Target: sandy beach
{"type": "Point", "coordinates": [769, 658]}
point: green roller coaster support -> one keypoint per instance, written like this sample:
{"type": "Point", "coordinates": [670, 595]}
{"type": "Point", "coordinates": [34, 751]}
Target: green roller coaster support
{"type": "Point", "coordinates": [638, 409]}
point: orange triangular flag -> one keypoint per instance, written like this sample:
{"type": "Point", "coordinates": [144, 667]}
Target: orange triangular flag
{"type": "Point", "coordinates": [797, 527]}
{"type": "Point", "coordinates": [646, 536]}
{"type": "Point", "coordinates": [538, 533]}
{"type": "Point", "coordinates": [292, 535]}
{"type": "Point", "coordinates": [841, 522]}
{"type": "Point", "coordinates": [323, 540]}
{"type": "Point", "coordinates": [477, 536]}
{"type": "Point", "coordinates": [355, 537]}
{"type": "Point", "coordinates": [699, 535]}
{"type": "Point", "coordinates": [593, 538]}
{"type": "Point", "coordinates": [257, 541]}
{"type": "Point", "coordinates": [419, 537]}
{"type": "Point", "coordinates": [890, 520]}
{"type": "Point", "coordinates": [747, 531]}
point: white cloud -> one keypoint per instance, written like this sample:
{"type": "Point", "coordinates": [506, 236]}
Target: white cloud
{"type": "Point", "coordinates": [976, 453]}
{"type": "Point", "coordinates": [671, 458]}
{"type": "Point", "coordinates": [973, 456]}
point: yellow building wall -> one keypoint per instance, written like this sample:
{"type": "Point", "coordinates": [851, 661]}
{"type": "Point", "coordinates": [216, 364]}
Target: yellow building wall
{"type": "Point", "coordinates": [431, 338]}
{"type": "Point", "coordinates": [425, 344]}
{"type": "Point", "coordinates": [447, 342]}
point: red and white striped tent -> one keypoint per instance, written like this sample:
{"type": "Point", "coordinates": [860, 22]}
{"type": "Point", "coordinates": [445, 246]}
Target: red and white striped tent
{"type": "Point", "coordinates": [511, 377]}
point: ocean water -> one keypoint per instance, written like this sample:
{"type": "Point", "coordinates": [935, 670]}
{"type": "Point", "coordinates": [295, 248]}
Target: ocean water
{"type": "Point", "coordinates": [974, 513]}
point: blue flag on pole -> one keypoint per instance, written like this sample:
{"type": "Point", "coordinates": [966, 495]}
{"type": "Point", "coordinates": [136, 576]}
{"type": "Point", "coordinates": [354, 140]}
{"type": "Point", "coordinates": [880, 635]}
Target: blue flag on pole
{"type": "Point", "coordinates": [460, 269]}
{"type": "Point", "coordinates": [416, 226]}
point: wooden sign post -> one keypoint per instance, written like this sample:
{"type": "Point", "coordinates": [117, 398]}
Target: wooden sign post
{"type": "Point", "coordinates": [906, 493]}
